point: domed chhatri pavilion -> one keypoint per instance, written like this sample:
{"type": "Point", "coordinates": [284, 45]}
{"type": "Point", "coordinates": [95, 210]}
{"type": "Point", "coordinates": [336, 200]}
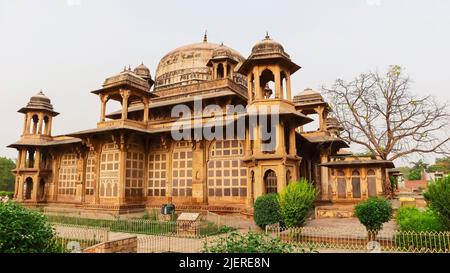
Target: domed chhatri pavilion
{"type": "Point", "coordinates": [131, 161]}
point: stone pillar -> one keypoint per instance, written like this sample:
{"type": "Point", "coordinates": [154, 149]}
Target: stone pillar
{"type": "Point", "coordinates": [280, 145]}
{"type": "Point", "coordinates": [215, 71]}
{"type": "Point", "coordinates": [146, 110]}
{"type": "Point", "coordinates": [122, 174]}
{"type": "Point", "coordinates": [324, 178]}
{"type": "Point", "coordinates": [19, 192]}
{"type": "Point", "coordinates": [225, 70]}
{"type": "Point", "coordinates": [34, 192]}
{"type": "Point", "coordinates": [249, 87]}
{"type": "Point", "coordinates": [125, 96]}
{"type": "Point", "coordinates": [292, 144]}
{"type": "Point", "coordinates": [97, 175]}
{"type": "Point", "coordinates": [277, 77]}
{"type": "Point", "coordinates": [288, 86]}
{"type": "Point", "coordinates": [103, 99]}
{"type": "Point", "coordinates": [28, 123]}
{"type": "Point", "coordinates": [198, 173]}
{"type": "Point", "coordinates": [41, 121]}
{"type": "Point", "coordinates": [258, 90]}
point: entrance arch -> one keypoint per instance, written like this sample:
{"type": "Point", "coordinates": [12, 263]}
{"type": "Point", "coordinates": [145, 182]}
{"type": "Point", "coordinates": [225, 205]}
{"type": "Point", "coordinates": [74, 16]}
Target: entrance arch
{"type": "Point", "coordinates": [27, 188]}
{"type": "Point", "coordinates": [270, 181]}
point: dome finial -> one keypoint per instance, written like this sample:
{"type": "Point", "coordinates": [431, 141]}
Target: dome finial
{"type": "Point", "coordinates": [205, 37]}
{"type": "Point", "coordinates": [267, 35]}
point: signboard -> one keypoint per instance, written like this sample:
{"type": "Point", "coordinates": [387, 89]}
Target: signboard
{"type": "Point", "coordinates": [188, 216]}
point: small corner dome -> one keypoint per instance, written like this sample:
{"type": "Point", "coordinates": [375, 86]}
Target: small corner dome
{"type": "Point", "coordinates": [39, 102]}
{"type": "Point", "coordinates": [142, 71]}
{"type": "Point", "coordinates": [268, 46]}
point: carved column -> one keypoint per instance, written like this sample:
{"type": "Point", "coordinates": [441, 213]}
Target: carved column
{"type": "Point", "coordinates": [103, 99]}
{"type": "Point", "coordinates": [288, 86]}
{"type": "Point", "coordinates": [125, 94]}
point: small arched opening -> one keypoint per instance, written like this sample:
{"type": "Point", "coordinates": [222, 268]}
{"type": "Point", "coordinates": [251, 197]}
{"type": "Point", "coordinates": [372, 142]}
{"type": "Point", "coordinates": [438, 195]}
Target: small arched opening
{"type": "Point", "coordinates": [229, 72]}
{"type": "Point", "coordinates": [267, 81]}
{"type": "Point", "coordinates": [270, 181]}
{"type": "Point", "coordinates": [220, 71]}
{"type": "Point", "coordinates": [27, 188]}
{"type": "Point", "coordinates": [35, 120]}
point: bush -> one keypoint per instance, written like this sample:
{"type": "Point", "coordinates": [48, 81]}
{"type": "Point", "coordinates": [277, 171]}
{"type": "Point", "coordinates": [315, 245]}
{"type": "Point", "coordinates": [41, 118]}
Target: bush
{"type": "Point", "coordinates": [296, 200]}
{"type": "Point", "coordinates": [25, 231]}
{"type": "Point", "coordinates": [438, 199]}
{"type": "Point", "coordinates": [247, 243]}
{"type": "Point", "coordinates": [411, 219]}
{"type": "Point", "coordinates": [267, 210]}
{"type": "Point", "coordinates": [373, 213]}
{"type": "Point", "coordinates": [10, 194]}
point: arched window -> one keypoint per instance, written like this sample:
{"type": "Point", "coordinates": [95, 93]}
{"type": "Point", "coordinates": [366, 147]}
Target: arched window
{"type": "Point", "coordinates": [371, 183]}
{"type": "Point", "coordinates": [134, 174]}
{"type": "Point", "coordinates": [341, 184]}
{"type": "Point", "coordinates": [220, 71]}
{"type": "Point", "coordinates": [182, 169]}
{"type": "Point", "coordinates": [109, 170]}
{"type": "Point", "coordinates": [356, 184]}
{"type": "Point", "coordinates": [68, 174]}
{"type": "Point", "coordinates": [270, 181]}
{"type": "Point", "coordinates": [228, 71]}
{"type": "Point", "coordinates": [157, 168]}
{"type": "Point", "coordinates": [27, 188]}
{"type": "Point", "coordinates": [226, 175]}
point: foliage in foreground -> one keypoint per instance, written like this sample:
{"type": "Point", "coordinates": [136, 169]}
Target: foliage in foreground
{"type": "Point", "coordinates": [267, 210]}
{"type": "Point", "coordinates": [373, 213]}
{"type": "Point", "coordinates": [251, 242]}
{"type": "Point", "coordinates": [6, 177]}
{"type": "Point", "coordinates": [25, 231]}
{"type": "Point", "coordinates": [411, 219]}
{"type": "Point", "coordinates": [438, 199]}
{"type": "Point", "coordinates": [296, 200]}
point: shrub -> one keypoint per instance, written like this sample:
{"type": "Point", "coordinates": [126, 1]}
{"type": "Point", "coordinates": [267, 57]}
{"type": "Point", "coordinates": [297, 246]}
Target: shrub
{"type": "Point", "coordinates": [10, 194]}
{"type": "Point", "coordinates": [411, 219]}
{"type": "Point", "coordinates": [373, 213]}
{"type": "Point", "coordinates": [415, 174]}
{"type": "Point", "coordinates": [247, 243]}
{"type": "Point", "coordinates": [296, 200]}
{"type": "Point", "coordinates": [25, 231]}
{"type": "Point", "coordinates": [267, 210]}
{"type": "Point", "coordinates": [438, 199]}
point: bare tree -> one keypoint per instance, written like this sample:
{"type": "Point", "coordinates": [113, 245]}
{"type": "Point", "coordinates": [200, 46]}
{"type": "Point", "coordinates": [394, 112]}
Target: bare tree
{"type": "Point", "coordinates": [379, 113]}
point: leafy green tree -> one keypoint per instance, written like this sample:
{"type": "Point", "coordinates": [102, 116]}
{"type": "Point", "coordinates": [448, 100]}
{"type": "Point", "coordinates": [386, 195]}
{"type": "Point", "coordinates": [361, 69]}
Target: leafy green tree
{"type": "Point", "coordinates": [25, 231]}
{"type": "Point", "coordinates": [373, 213]}
{"type": "Point", "coordinates": [296, 200]}
{"type": "Point", "coordinates": [266, 210]}
{"type": "Point", "coordinates": [415, 174]}
{"type": "Point", "coordinates": [6, 177]}
{"type": "Point", "coordinates": [437, 196]}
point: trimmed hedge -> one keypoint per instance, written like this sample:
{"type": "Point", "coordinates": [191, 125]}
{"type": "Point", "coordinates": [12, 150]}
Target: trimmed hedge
{"type": "Point", "coordinates": [10, 194]}
{"type": "Point", "coordinates": [267, 210]}
{"type": "Point", "coordinates": [374, 212]}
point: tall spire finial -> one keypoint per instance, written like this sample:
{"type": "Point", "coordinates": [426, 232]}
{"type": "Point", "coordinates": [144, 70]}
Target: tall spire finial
{"type": "Point", "coordinates": [267, 35]}
{"type": "Point", "coordinates": [205, 37]}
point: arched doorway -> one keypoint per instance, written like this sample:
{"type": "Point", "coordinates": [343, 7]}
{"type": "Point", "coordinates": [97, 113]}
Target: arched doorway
{"type": "Point", "coordinates": [270, 181]}
{"type": "Point", "coordinates": [27, 188]}
{"type": "Point", "coordinates": [42, 190]}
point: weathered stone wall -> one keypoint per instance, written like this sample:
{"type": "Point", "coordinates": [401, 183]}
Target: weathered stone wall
{"type": "Point", "coordinates": [123, 245]}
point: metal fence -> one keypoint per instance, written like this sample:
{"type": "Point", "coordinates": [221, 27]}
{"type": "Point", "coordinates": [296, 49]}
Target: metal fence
{"type": "Point", "coordinates": [163, 244]}
{"type": "Point", "coordinates": [363, 241]}
{"type": "Point", "coordinates": [75, 238]}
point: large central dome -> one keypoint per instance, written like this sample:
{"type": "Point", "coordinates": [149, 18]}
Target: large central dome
{"type": "Point", "coordinates": [188, 64]}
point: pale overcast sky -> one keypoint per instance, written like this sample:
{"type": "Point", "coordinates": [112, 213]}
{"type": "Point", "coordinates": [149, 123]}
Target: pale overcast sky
{"type": "Point", "coordinates": [68, 47]}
